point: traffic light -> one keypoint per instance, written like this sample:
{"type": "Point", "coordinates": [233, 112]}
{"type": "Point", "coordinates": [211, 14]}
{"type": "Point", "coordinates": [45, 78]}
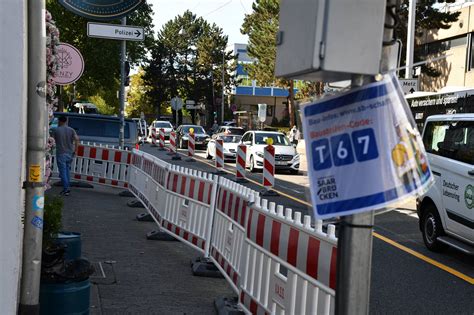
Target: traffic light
{"type": "Point", "coordinates": [126, 73]}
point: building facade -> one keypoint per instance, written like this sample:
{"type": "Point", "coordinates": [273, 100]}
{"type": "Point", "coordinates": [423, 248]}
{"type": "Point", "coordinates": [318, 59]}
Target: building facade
{"type": "Point", "coordinates": [246, 95]}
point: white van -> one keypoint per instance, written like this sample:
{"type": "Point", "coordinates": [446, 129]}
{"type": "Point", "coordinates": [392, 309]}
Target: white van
{"type": "Point", "coordinates": [446, 211]}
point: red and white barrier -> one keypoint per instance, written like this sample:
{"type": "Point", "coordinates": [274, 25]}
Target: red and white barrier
{"type": "Point", "coordinates": [189, 206]}
{"type": "Point", "coordinates": [172, 142]}
{"type": "Point", "coordinates": [191, 145]}
{"type": "Point", "coordinates": [269, 171]}
{"type": "Point", "coordinates": [162, 138]}
{"type": "Point", "coordinates": [153, 136]}
{"type": "Point", "coordinates": [219, 154]}
{"type": "Point", "coordinates": [228, 232]}
{"type": "Point", "coordinates": [240, 163]}
{"type": "Point", "coordinates": [290, 267]}
{"type": "Point", "coordinates": [99, 164]}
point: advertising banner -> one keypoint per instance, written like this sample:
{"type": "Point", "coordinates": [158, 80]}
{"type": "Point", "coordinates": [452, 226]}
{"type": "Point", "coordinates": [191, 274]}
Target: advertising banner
{"type": "Point", "coordinates": [364, 150]}
{"type": "Point", "coordinates": [70, 63]}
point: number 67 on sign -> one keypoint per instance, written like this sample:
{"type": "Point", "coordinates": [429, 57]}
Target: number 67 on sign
{"type": "Point", "coordinates": [364, 151]}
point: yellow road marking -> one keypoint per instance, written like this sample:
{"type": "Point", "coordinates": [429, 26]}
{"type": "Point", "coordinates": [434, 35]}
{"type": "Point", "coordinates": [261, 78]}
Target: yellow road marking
{"type": "Point", "coordinates": [385, 239]}
{"type": "Point", "coordinates": [425, 258]}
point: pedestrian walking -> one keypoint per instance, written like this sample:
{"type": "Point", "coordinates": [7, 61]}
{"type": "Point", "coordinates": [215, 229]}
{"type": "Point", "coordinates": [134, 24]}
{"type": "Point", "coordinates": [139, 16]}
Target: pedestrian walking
{"type": "Point", "coordinates": [294, 135]}
{"type": "Point", "coordinates": [67, 143]}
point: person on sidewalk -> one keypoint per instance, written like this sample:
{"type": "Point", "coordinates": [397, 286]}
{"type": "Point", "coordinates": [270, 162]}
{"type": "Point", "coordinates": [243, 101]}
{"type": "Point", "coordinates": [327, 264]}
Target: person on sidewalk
{"type": "Point", "coordinates": [294, 135]}
{"type": "Point", "coordinates": [67, 143]}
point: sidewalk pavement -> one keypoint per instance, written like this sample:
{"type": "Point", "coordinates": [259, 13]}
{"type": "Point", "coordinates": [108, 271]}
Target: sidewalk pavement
{"type": "Point", "coordinates": [142, 277]}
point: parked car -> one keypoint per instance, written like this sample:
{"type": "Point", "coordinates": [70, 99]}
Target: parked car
{"type": "Point", "coordinates": [446, 210]}
{"type": "Point", "coordinates": [286, 157]}
{"type": "Point", "coordinates": [158, 124]}
{"type": "Point", "coordinates": [99, 128]}
{"type": "Point", "coordinates": [200, 136]}
{"type": "Point", "coordinates": [230, 130]}
{"type": "Point", "coordinates": [230, 143]}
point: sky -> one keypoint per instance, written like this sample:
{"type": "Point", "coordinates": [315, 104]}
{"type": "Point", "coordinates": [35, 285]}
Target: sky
{"type": "Point", "coordinates": [227, 14]}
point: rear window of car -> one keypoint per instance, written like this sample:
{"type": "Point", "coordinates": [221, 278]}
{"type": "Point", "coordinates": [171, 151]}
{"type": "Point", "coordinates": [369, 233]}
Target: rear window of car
{"type": "Point", "coordinates": [454, 140]}
{"type": "Point", "coordinates": [235, 131]}
{"type": "Point", "coordinates": [163, 125]}
{"type": "Point", "coordinates": [97, 127]}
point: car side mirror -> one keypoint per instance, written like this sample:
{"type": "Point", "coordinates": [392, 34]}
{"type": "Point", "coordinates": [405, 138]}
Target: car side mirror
{"type": "Point", "coordinates": [247, 143]}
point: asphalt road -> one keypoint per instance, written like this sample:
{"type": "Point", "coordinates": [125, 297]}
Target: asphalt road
{"type": "Point", "coordinates": [406, 277]}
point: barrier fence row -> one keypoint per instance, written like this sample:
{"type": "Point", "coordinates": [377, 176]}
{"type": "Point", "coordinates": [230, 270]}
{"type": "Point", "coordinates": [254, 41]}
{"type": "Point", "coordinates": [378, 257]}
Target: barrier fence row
{"type": "Point", "coordinates": [275, 260]}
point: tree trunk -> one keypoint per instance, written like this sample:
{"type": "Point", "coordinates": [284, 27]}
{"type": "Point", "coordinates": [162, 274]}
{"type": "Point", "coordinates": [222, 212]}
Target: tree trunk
{"type": "Point", "coordinates": [291, 104]}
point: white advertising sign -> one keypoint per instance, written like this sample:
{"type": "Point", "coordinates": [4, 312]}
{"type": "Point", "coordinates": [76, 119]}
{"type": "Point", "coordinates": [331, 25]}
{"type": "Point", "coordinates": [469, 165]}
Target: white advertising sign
{"type": "Point", "coordinates": [262, 112]}
{"type": "Point", "coordinates": [364, 150]}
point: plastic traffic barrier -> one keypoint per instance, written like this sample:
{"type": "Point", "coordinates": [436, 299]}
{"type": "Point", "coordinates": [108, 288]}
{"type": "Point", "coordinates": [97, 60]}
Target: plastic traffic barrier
{"type": "Point", "coordinates": [290, 267]}
{"type": "Point", "coordinates": [219, 155]}
{"type": "Point", "coordinates": [153, 136]}
{"type": "Point", "coordinates": [240, 163]}
{"type": "Point", "coordinates": [191, 147]}
{"type": "Point", "coordinates": [162, 139]}
{"type": "Point", "coordinates": [269, 171]}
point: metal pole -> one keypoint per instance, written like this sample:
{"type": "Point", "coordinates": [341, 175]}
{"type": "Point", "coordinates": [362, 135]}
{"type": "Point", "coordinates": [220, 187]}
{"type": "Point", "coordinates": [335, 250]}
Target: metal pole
{"type": "Point", "coordinates": [354, 248]}
{"type": "Point", "coordinates": [223, 86]}
{"type": "Point", "coordinates": [123, 49]}
{"type": "Point", "coordinates": [35, 158]}
{"type": "Point", "coordinates": [410, 38]}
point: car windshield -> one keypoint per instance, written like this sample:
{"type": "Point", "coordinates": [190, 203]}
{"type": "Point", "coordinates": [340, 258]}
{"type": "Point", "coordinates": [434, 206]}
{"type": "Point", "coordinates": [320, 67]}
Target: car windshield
{"type": "Point", "coordinates": [197, 129]}
{"type": "Point", "coordinates": [230, 139]}
{"type": "Point", "coordinates": [163, 124]}
{"type": "Point", "coordinates": [278, 138]}
{"type": "Point", "coordinates": [235, 131]}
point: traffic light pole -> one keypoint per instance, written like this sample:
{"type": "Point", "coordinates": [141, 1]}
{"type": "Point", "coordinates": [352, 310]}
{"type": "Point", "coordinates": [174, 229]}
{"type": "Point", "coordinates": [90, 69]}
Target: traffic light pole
{"type": "Point", "coordinates": [123, 50]}
{"type": "Point", "coordinates": [354, 248]}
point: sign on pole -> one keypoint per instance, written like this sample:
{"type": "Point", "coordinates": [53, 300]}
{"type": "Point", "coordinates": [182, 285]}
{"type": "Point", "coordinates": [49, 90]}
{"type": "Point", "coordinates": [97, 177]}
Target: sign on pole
{"type": "Point", "coordinates": [71, 64]}
{"type": "Point", "coordinates": [190, 104]}
{"type": "Point", "coordinates": [103, 10]}
{"type": "Point", "coordinates": [176, 103]}
{"type": "Point", "coordinates": [409, 85]}
{"type": "Point", "coordinates": [115, 31]}
{"type": "Point", "coordinates": [351, 138]}
{"type": "Point", "coordinates": [262, 112]}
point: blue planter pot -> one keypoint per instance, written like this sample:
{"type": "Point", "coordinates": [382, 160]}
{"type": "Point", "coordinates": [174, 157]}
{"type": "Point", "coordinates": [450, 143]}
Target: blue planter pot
{"type": "Point", "coordinates": [72, 240]}
{"type": "Point", "coordinates": [65, 298]}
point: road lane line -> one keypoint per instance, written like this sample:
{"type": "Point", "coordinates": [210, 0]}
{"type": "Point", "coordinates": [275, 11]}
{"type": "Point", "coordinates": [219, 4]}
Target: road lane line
{"type": "Point", "coordinates": [425, 258]}
{"type": "Point", "coordinates": [385, 239]}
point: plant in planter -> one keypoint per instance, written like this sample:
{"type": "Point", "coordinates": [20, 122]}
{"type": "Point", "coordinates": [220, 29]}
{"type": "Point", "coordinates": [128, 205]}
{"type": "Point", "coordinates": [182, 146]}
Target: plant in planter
{"type": "Point", "coordinates": [65, 285]}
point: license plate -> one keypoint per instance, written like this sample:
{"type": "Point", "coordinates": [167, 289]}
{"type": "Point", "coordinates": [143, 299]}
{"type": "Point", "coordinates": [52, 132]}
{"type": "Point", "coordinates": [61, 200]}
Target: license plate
{"type": "Point", "coordinates": [281, 163]}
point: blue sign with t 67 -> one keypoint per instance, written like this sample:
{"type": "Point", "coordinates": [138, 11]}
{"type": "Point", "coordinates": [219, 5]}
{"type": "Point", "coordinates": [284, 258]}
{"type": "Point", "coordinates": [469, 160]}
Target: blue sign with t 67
{"type": "Point", "coordinates": [102, 9]}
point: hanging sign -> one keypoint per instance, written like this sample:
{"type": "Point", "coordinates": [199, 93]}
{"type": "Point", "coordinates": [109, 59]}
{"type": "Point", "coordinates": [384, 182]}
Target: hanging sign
{"type": "Point", "coordinates": [102, 10]}
{"type": "Point", "coordinates": [364, 150]}
{"type": "Point", "coordinates": [70, 63]}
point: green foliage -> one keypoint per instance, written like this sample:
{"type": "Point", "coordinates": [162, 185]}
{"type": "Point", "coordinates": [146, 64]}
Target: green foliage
{"type": "Point", "coordinates": [102, 106]}
{"type": "Point", "coordinates": [101, 56]}
{"type": "Point", "coordinates": [52, 219]}
{"type": "Point", "coordinates": [427, 18]}
{"type": "Point", "coordinates": [137, 98]}
{"type": "Point", "coordinates": [186, 61]}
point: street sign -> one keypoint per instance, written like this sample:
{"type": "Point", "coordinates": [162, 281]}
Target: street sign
{"type": "Point", "coordinates": [190, 104]}
{"type": "Point", "coordinates": [115, 31]}
{"type": "Point", "coordinates": [363, 150]}
{"type": "Point", "coordinates": [176, 103]}
{"type": "Point", "coordinates": [102, 10]}
{"type": "Point", "coordinates": [70, 64]}
{"type": "Point", "coordinates": [262, 112]}
{"type": "Point", "coordinates": [409, 85]}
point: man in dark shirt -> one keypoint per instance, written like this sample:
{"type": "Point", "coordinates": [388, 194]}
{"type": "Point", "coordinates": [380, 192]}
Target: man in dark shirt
{"type": "Point", "coordinates": [67, 143]}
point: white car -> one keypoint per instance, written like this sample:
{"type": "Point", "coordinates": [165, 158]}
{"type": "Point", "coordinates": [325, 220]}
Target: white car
{"type": "Point", "coordinates": [230, 146]}
{"type": "Point", "coordinates": [286, 157]}
{"type": "Point", "coordinates": [446, 210]}
{"type": "Point", "coordinates": [158, 124]}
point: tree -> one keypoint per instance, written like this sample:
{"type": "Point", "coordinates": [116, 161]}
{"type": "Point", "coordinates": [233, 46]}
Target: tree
{"type": "Point", "coordinates": [427, 18]}
{"type": "Point", "coordinates": [261, 26]}
{"type": "Point", "coordinates": [102, 56]}
{"type": "Point", "coordinates": [138, 99]}
{"type": "Point", "coordinates": [186, 61]}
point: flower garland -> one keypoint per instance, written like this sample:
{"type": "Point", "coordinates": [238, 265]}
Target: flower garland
{"type": "Point", "coordinates": [52, 43]}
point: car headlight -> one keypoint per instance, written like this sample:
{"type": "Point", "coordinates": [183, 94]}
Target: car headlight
{"type": "Point", "coordinates": [259, 154]}
{"type": "Point", "coordinates": [296, 157]}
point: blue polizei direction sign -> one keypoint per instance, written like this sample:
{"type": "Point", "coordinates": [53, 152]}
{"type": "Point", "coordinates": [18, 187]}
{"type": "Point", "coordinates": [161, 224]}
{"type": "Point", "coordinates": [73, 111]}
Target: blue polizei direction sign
{"type": "Point", "coordinates": [364, 150]}
{"type": "Point", "coordinates": [102, 10]}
